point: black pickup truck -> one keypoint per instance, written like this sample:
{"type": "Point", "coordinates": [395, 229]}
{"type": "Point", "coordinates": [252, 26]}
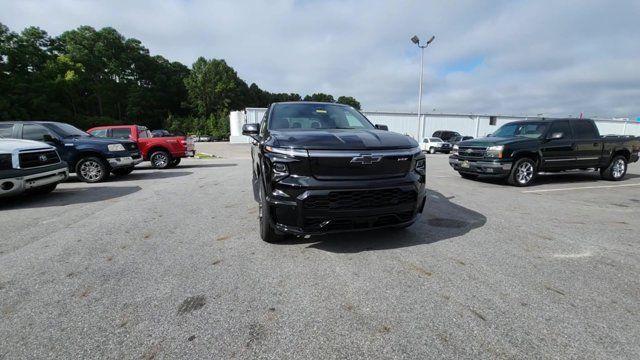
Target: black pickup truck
{"type": "Point", "coordinates": [322, 167]}
{"type": "Point", "coordinates": [519, 150]}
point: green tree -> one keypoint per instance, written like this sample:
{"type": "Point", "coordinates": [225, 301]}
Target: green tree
{"type": "Point", "coordinates": [348, 100]}
{"type": "Point", "coordinates": [319, 97]}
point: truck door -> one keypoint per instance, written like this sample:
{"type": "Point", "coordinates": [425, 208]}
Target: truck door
{"type": "Point", "coordinates": [587, 143]}
{"type": "Point", "coordinates": [558, 153]}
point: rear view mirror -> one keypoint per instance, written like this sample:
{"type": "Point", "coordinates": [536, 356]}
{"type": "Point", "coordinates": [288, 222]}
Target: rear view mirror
{"type": "Point", "coordinates": [382, 127]}
{"type": "Point", "coordinates": [556, 136]}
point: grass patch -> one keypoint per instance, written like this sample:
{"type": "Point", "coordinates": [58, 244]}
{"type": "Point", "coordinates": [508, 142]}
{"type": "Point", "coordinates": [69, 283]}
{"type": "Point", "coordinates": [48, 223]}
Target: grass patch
{"type": "Point", "coordinates": [205, 156]}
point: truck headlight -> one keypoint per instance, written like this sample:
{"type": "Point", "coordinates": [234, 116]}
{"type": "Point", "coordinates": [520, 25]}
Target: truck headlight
{"type": "Point", "coordinates": [115, 147]}
{"type": "Point", "coordinates": [5, 162]}
{"type": "Point", "coordinates": [421, 167]}
{"type": "Point", "coordinates": [495, 151]}
{"type": "Point", "coordinates": [454, 151]}
{"type": "Point", "coordinates": [279, 170]}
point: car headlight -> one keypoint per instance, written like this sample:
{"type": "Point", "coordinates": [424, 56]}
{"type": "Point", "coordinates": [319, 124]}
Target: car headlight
{"type": "Point", "coordinates": [115, 147]}
{"type": "Point", "coordinates": [495, 151]}
{"type": "Point", "coordinates": [454, 151]}
{"type": "Point", "coordinates": [5, 162]}
{"type": "Point", "coordinates": [421, 166]}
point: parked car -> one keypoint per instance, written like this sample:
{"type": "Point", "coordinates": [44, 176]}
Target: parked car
{"type": "Point", "coordinates": [445, 135]}
{"type": "Point", "coordinates": [29, 166]}
{"type": "Point", "coordinates": [456, 139]}
{"type": "Point", "coordinates": [433, 145]}
{"type": "Point", "coordinates": [91, 158]}
{"type": "Point", "coordinates": [163, 152]}
{"type": "Point", "coordinates": [518, 151]}
{"type": "Point", "coordinates": [334, 172]}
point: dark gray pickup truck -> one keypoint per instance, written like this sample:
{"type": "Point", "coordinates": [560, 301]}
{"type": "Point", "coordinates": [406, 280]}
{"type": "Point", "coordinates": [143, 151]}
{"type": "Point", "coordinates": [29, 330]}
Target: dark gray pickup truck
{"type": "Point", "coordinates": [519, 150]}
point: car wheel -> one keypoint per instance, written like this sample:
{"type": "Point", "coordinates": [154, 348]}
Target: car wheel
{"type": "Point", "coordinates": [267, 233]}
{"type": "Point", "coordinates": [432, 150]}
{"type": "Point", "coordinates": [122, 171]}
{"type": "Point", "coordinates": [91, 170]}
{"type": "Point", "coordinates": [42, 190]}
{"type": "Point", "coordinates": [174, 162]}
{"type": "Point", "coordinates": [522, 173]}
{"type": "Point", "coordinates": [616, 170]}
{"type": "Point", "coordinates": [468, 176]}
{"type": "Point", "coordinates": [160, 159]}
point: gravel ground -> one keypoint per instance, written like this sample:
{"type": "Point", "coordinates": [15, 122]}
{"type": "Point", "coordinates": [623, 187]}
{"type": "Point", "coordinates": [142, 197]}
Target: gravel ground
{"type": "Point", "coordinates": [169, 264]}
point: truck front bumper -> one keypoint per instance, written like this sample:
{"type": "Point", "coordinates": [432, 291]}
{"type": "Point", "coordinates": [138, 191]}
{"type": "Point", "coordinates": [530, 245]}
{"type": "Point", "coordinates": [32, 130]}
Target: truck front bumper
{"type": "Point", "coordinates": [120, 162]}
{"type": "Point", "coordinates": [480, 167]}
{"type": "Point", "coordinates": [350, 206]}
{"type": "Point", "coordinates": [16, 185]}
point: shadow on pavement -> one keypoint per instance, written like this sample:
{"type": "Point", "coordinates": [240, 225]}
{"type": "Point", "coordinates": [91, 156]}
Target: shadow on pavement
{"type": "Point", "coordinates": [441, 220]}
{"type": "Point", "coordinates": [138, 175]}
{"type": "Point", "coordinates": [62, 197]}
{"type": "Point", "coordinates": [188, 166]}
{"type": "Point", "coordinates": [560, 178]}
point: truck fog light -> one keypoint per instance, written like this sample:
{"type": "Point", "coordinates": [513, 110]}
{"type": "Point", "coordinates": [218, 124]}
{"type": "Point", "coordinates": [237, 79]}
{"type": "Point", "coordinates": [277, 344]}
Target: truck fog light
{"type": "Point", "coordinates": [6, 186]}
{"type": "Point", "coordinates": [279, 167]}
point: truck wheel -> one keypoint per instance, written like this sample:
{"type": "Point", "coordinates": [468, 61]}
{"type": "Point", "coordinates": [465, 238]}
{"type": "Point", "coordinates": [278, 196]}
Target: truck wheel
{"type": "Point", "coordinates": [42, 190]}
{"type": "Point", "coordinates": [160, 159]}
{"type": "Point", "coordinates": [432, 150]}
{"type": "Point", "coordinates": [174, 162]}
{"type": "Point", "coordinates": [91, 169]}
{"type": "Point", "coordinates": [267, 233]}
{"type": "Point", "coordinates": [468, 176]}
{"type": "Point", "coordinates": [616, 170]}
{"type": "Point", "coordinates": [122, 171]}
{"type": "Point", "coordinates": [522, 173]}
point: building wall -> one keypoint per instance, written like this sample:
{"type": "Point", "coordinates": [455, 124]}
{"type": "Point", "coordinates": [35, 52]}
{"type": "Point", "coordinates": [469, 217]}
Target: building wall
{"type": "Point", "coordinates": [407, 123]}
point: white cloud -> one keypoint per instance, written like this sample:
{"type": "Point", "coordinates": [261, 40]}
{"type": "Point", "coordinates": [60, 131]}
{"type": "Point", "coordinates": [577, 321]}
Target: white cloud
{"type": "Point", "coordinates": [549, 57]}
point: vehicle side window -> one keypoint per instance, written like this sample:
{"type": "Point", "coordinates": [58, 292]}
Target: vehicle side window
{"type": "Point", "coordinates": [425, 141]}
{"type": "Point", "coordinates": [583, 130]}
{"type": "Point", "coordinates": [6, 130]}
{"type": "Point", "coordinates": [144, 134]}
{"type": "Point", "coordinates": [263, 124]}
{"type": "Point", "coordinates": [34, 132]}
{"type": "Point", "coordinates": [99, 133]}
{"type": "Point", "coordinates": [561, 126]}
{"type": "Point", "coordinates": [121, 133]}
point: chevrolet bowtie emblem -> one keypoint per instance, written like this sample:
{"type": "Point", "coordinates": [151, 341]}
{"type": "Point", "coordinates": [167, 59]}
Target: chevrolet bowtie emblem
{"type": "Point", "coordinates": [366, 159]}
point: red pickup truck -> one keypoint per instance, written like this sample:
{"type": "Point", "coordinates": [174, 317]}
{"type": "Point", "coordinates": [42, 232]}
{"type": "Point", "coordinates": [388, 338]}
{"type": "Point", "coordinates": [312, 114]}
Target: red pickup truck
{"type": "Point", "coordinates": [163, 152]}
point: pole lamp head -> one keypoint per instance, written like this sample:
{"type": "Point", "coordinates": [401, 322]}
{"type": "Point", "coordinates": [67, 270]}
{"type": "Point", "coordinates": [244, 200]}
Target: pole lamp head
{"type": "Point", "coordinates": [431, 40]}
{"type": "Point", "coordinates": [415, 39]}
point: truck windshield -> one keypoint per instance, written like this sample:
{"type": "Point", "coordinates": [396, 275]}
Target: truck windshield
{"type": "Point", "coordinates": [310, 116]}
{"type": "Point", "coordinates": [66, 130]}
{"type": "Point", "coordinates": [530, 130]}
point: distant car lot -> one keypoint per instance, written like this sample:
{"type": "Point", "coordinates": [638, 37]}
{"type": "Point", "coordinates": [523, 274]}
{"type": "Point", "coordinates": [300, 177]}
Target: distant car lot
{"type": "Point", "coordinates": [169, 264]}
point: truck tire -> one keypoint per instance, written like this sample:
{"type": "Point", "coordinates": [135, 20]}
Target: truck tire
{"type": "Point", "coordinates": [467, 175]}
{"type": "Point", "coordinates": [267, 233]}
{"type": "Point", "coordinates": [92, 169]}
{"type": "Point", "coordinates": [174, 162]}
{"type": "Point", "coordinates": [432, 150]}
{"type": "Point", "coordinates": [160, 159]}
{"type": "Point", "coordinates": [616, 170]}
{"type": "Point", "coordinates": [42, 190]}
{"type": "Point", "coordinates": [523, 172]}
{"type": "Point", "coordinates": [122, 171]}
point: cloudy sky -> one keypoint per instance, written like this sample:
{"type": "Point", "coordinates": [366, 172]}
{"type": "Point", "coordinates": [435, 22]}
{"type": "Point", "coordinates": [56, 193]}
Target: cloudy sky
{"type": "Point", "coordinates": [507, 57]}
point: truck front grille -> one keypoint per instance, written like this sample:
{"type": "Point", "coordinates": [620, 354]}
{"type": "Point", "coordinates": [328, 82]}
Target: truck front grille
{"type": "Point", "coordinates": [360, 199]}
{"type": "Point", "coordinates": [471, 152]}
{"type": "Point", "coordinates": [38, 158]}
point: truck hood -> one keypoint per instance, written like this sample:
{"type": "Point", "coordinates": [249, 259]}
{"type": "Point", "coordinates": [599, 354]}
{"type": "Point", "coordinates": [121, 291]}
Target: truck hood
{"type": "Point", "coordinates": [491, 141]}
{"type": "Point", "coordinates": [9, 145]}
{"type": "Point", "coordinates": [343, 139]}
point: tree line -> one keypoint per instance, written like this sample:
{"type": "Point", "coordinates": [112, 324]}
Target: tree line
{"type": "Point", "coordinates": [90, 77]}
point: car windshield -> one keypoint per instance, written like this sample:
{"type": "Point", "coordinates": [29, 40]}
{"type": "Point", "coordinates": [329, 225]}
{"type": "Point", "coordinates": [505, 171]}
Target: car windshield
{"type": "Point", "coordinates": [66, 130]}
{"type": "Point", "coordinates": [311, 116]}
{"type": "Point", "coordinates": [530, 130]}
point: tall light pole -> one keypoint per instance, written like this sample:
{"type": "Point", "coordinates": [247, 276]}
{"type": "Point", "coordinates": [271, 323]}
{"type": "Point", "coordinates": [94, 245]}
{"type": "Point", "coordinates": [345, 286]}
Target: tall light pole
{"type": "Point", "coordinates": [416, 41]}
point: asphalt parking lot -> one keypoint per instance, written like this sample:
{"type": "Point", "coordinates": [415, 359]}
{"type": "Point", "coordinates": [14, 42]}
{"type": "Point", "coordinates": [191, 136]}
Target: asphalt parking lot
{"type": "Point", "coordinates": [169, 264]}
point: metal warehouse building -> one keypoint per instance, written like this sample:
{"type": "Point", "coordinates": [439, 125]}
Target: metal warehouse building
{"type": "Point", "coordinates": [407, 123]}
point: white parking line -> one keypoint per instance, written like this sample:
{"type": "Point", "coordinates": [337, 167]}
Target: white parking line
{"type": "Point", "coordinates": [580, 188]}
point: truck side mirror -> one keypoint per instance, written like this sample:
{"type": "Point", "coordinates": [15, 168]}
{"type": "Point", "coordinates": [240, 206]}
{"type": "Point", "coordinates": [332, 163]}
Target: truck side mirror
{"type": "Point", "coordinates": [251, 130]}
{"type": "Point", "coordinates": [50, 139]}
{"type": "Point", "coordinates": [382, 127]}
{"type": "Point", "coordinates": [556, 136]}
